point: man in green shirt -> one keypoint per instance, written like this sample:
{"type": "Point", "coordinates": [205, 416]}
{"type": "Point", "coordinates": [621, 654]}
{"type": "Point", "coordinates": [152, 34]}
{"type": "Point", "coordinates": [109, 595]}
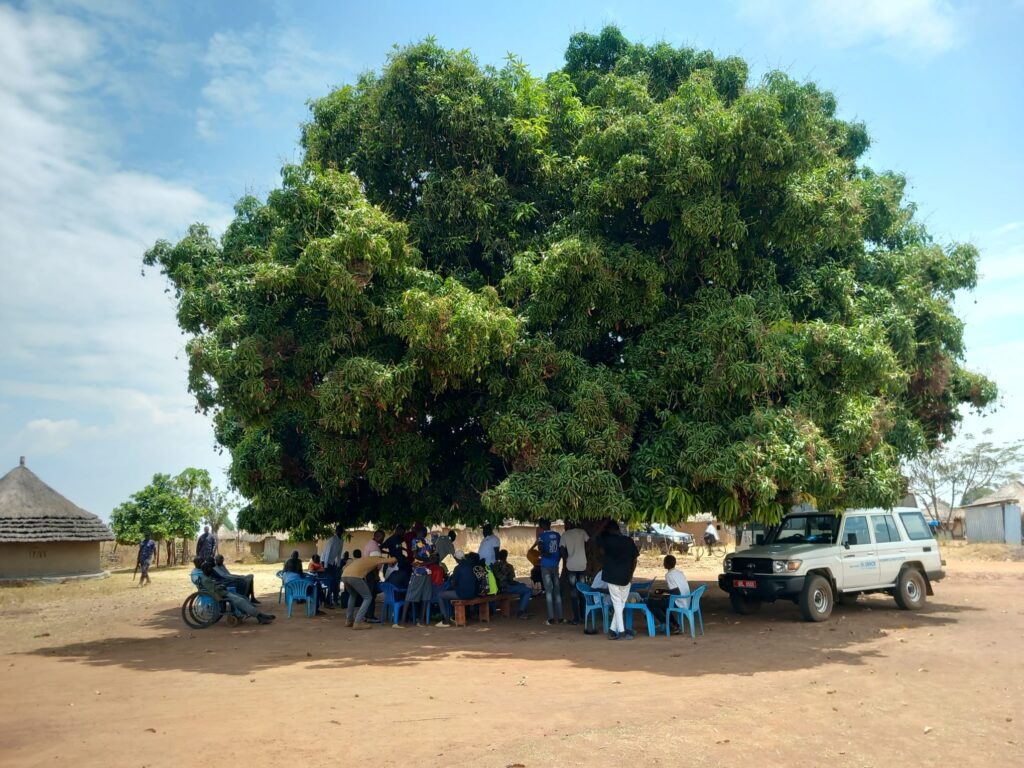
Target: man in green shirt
{"type": "Point", "coordinates": [505, 575]}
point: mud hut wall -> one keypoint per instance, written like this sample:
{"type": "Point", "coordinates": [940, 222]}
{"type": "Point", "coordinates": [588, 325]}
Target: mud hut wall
{"type": "Point", "coordinates": [26, 560]}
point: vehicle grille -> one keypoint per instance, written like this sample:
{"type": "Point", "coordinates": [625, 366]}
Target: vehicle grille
{"type": "Point", "coordinates": [742, 565]}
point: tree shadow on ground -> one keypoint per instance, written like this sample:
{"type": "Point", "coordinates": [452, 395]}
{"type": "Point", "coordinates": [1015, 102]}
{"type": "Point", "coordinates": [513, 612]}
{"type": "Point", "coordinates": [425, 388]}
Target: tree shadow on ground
{"type": "Point", "coordinates": [325, 643]}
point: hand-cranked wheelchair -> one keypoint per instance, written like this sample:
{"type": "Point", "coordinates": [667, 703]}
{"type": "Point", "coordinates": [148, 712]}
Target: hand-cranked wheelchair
{"type": "Point", "coordinates": [201, 609]}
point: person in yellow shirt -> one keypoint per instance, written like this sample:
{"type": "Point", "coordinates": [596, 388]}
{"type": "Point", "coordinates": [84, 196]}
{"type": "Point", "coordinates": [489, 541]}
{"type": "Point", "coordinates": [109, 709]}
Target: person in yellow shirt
{"type": "Point", "coordinates": [354, 580]}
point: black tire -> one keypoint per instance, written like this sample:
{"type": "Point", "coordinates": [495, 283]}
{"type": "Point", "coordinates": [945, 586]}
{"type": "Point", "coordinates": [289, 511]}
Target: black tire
{"type": "Point", "coordinates": [684, 548]}
{"type": "Point", "coordinates": [202, 614]}
{"type": "Point", "coordinates": [911, 589]}
{"type": "Point", "coordinates": [817, 599]}
{"type": "Point", "coordinates": [744, 605]}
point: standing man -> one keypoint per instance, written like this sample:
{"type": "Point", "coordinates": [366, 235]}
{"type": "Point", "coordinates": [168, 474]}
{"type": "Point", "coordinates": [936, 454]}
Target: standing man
{"type": "Point", "coordinates": [206, 546]}
{"type": "Point", "coordinates": [620, 556]}
{"type": "Point", "coordinates": [574, 551]}
{"type": "Point", "coordinates": [147, 548]}
{"type": "Point", "coordinates": [331, 558]}
{"type": "Point", "coordinates": [490, 545]}
{"type": "Point", "coordinates": [548, 545]}
{"type": "Point", "coordinates": [356, 584]}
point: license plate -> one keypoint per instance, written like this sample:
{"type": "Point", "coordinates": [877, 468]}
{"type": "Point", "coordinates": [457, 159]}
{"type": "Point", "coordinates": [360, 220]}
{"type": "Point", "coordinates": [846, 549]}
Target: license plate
{"type": "Point", "coordinates": [744, 583]}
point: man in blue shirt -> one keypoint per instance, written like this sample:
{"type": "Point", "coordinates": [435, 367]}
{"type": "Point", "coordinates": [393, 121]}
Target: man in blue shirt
{"type": "Point", "coordinates": [147, 548]}
{"type": "Point", "coordinates": [548, 544]}
{"type": "Point", "coordinates": [463, 587]}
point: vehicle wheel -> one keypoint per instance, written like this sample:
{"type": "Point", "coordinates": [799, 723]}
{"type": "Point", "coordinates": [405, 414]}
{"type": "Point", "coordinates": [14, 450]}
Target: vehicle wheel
{"type": "Point", "coordinates": [910, 589]}
{"type": "Point", "coordinates": [744, 605]}
{"type": "Point", "coordinates": [817, 600]}
{"type": "Point", "coordinates": [684, 548]}
{"type": "Point", "coordinates": [233, 621]}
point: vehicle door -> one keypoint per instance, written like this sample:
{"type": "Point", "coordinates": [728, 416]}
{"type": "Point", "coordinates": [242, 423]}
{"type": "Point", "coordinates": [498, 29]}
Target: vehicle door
{"type": "Point", "coordinates": [858, 557]}
{"type": "Point", "coordinates": [889, 544]}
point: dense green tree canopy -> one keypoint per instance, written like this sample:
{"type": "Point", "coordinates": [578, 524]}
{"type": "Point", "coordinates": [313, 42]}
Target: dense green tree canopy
{"type": "Point", "coordinates": [639, 287]}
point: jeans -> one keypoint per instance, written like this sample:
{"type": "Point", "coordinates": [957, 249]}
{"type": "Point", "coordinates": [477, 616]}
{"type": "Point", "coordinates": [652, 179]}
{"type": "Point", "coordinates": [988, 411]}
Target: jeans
{"type": "Point", "coordinates": [524, 592]}
{"type": "Point", "coordinates": [373, 582]}
{"type": "Point", "coordinates": [445, 599]}
{"type": "Point", "coordinates": [575, 598]}
{"type": "Point", "coordinates": [552, 592]}
{"type": "Point", "coordinates": [333, 574]}
{"type": "Point", "coordinates": [356, 586]}
{"type": "Point", "coordinates": [618, 595]}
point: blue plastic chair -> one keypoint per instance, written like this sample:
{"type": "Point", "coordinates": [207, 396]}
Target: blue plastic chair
{"type": "Point", "coordinates": [297, 590]}
{"type": "Point", "coordinates": [593, 601]}
{"type": "Point", "coordinates": [687, 613]}
{"type": "Point", "coordinates": [392, 603]}
{"type": "Point", "coordinates": [629, 609]}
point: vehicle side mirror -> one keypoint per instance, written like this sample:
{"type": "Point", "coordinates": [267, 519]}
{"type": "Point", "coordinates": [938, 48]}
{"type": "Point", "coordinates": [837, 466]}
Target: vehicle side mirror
{"type": "Point", "coordinates": [851, 540]}
{"type": "Point", "coordinates": [759, 539]}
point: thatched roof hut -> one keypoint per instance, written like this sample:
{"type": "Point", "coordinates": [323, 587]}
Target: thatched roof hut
{"type": "Point", "coordinates": [42, 534]}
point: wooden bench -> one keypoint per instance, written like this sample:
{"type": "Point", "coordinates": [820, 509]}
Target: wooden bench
{"type": "Point", "coordinates": [503, 599]}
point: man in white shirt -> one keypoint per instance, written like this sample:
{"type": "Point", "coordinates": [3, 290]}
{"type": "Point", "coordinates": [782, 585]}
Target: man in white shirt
{"type": "Point", "coordinates": [710, 534]}
{"type": "Point", "coordinates": [677, 585]}
{"type": "Point", "coordinates": [574, 554]}
{"type": "Point", "coordinates": [489, 546]}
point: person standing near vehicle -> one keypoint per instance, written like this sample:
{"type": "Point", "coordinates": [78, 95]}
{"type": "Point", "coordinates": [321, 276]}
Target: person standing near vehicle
{"type": "Point", "coordinates": [548, 544]}
{"type": "Point", "coordinates": [620, 556]}
{"type": "Point", "coordinates": [574, 553]}
{"type": "Point", "coordinates": [147, 548]}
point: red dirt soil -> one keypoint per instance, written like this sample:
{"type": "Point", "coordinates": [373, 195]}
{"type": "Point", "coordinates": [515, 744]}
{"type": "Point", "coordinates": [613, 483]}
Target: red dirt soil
{"type": "Point", "coordinates": [104, 674]}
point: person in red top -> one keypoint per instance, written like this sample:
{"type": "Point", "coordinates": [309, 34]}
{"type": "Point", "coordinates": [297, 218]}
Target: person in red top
{"type": "Point", "coordinates": [315, 566]}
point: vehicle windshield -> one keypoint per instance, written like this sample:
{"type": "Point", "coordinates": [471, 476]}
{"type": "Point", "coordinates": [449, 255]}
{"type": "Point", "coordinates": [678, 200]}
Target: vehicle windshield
{"type": "Point", "coordinates": [805, 529]}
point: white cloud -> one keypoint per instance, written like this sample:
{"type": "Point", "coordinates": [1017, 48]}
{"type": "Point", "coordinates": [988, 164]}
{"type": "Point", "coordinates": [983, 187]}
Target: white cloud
{"type": "Point", "coordinates": [247, 70]}
{"type": "Point", "coordinates": [919, 27]}
{"type": "Point", "coordinates": [87, 365]}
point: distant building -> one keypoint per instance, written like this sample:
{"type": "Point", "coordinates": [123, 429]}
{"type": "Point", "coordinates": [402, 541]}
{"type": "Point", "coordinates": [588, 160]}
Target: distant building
{"type": "Point", "coordinates": [996, 517]}
{"type": "Point", "coordinates": [42, 534]}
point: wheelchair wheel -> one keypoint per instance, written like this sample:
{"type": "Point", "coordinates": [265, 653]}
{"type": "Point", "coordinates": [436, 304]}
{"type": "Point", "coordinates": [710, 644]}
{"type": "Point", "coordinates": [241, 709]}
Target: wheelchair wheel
{"type": "Point", "coordinates": [233, 621]}
{"type": "Point", "coordinates": [200, 611]}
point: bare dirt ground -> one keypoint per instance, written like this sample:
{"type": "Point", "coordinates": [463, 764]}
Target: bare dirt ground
{"type": "Point", "coordinates": [104, 674]}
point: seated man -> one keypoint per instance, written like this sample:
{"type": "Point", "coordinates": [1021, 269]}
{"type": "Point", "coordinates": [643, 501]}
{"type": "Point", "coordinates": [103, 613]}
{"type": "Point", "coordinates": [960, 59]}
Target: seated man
{"type": "Point", "coordinates": [677, 585]}
{"type": "Point", "coordinates": [463, 587]}
{"type": "Point", "coordinates": [209, 583]}
{"type": "Point", "coordinates": [242, 584]}
{"type": "Point", "coordinates": [507, 582]}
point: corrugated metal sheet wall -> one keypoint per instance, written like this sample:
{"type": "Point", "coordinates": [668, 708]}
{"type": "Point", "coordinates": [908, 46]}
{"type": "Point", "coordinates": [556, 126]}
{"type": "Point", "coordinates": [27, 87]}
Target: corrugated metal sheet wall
{"type": "Point", "coordinates": [1011, 524]}
{"type": "Point", "coordinates": [985, 524]}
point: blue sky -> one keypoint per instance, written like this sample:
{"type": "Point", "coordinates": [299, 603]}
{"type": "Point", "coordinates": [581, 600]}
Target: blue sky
{"type": "Point", "coordinates": [124, 121]}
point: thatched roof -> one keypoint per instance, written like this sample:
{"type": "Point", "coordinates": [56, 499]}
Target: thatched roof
{"type": "Point", "coordinates": [1011, 493]}
{"type": "Point", "coordinates": [30, 510]}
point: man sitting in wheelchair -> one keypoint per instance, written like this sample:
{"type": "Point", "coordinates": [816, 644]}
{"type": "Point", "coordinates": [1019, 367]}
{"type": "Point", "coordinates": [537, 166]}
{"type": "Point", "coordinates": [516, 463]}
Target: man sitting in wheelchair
{"type": "Point", "coordinates": [212, 584]}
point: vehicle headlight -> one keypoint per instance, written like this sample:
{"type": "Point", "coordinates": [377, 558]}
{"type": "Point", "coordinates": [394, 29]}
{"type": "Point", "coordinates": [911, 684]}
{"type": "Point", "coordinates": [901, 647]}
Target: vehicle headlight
{"type": "Point", "coordinates": [782, 566]}
{"type": "Point", "coordinates": [728, 563]}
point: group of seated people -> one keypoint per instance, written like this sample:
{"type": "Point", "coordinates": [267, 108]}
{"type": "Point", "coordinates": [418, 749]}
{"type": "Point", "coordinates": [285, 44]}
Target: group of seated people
{"type": "Point", "coordinates": [213, 577]}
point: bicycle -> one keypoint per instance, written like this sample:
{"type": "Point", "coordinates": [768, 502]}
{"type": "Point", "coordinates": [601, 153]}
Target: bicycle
{"type": "Point", "coordinates": [716, 549]}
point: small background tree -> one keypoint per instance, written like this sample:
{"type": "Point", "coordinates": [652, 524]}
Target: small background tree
{"type": "Point", "coordinates": [961, 475]}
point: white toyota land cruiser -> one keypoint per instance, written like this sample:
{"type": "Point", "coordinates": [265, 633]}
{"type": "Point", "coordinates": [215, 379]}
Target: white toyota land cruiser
{"type": "Point", "coordinates": [813, 558]}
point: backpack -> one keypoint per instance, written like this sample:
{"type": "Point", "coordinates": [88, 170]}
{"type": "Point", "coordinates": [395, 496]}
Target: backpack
{"type": "Point", "coordinates": [482, 582]}
{"type": "Point", "coordinates": [492, 583]}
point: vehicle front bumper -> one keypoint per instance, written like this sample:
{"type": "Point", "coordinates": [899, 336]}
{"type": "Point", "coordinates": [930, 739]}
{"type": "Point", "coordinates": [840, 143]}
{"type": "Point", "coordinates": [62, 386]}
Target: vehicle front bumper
{"type": "Point", "coordinates": [767, 586]}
